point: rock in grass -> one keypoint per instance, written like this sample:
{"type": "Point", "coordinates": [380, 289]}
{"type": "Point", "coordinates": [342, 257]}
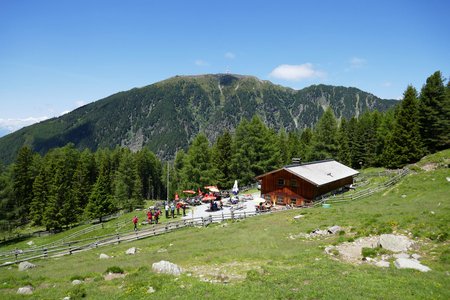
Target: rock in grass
{"type": "Point", "coordinates": [131, 251]}
{"type": "Point", "coordinates": [334, 229]}
{"type": "Point", "coordinates": [401, 255]}
{"type": "Point", "coordinates": [298, 217]}
{"type": "Point", "coordinates": [104, 256]}
{"type": "Point", "coordinates": [150, 290]}
{"type": "Point", "coordinates": [166, 267]}
{"type": "Point", "coordinates": [382, 264]}
{"type": "Point", "coordinates": [406, 263]}
{"type": "Point", "coordinates": [26, 290]}
{"type": "Point", "coordinates": [77, 282]}
{"type": "Point", "coordinates": [395, 243]}
{"type": "Point", "coordinates": [26, 265]}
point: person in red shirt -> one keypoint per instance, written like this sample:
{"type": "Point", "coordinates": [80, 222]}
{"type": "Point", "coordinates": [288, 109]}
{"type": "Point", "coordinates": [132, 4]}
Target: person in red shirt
{"type": "Point", "coordinates": [150, 217]}
{"type": "Point", "coordinates": [178, 208]}
{"type": "Point", "coordinates": [157, 213]}
{"type": "Point", "coordinates": [135, 221]}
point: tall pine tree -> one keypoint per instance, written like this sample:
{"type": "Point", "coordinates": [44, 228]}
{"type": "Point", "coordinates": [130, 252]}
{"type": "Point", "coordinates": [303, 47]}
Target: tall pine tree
{"type": "Point", "coordinates": [405, 144]}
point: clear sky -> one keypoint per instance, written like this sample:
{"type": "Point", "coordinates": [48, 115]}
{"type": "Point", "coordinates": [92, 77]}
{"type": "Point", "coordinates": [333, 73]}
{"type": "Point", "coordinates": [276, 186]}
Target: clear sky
{"type": "Point", "coordinates": [58, 55]}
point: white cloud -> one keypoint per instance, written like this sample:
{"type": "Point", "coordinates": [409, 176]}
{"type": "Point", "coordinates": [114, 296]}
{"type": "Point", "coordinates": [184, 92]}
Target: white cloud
{"type": "Point", "coordinates": [356, 62]}
{"type": "Point", "coordinates": [80, 103]}
{"type": "Point", "coordinates": [15, 124]}
{"type": "Point", "coordinates": [296, 72]}
{"type": "Point", "coordinates": [201, 63]}
{"type": "Point", "coordinates": [230, 55]}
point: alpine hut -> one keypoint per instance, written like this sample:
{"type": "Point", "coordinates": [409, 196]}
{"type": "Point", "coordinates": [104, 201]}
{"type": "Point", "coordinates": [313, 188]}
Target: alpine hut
{"type": "Point", "coordinates": [300, 184]}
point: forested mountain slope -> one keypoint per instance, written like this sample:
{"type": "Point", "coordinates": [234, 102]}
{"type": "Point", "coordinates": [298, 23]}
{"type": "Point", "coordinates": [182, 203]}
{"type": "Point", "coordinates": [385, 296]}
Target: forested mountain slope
{"type": "Point", "coordinates": [165, 116]}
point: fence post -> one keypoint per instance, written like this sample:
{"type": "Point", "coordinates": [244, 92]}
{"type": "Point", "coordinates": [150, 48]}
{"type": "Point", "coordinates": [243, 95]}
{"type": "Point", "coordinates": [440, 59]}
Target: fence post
{"type": "Point", "coordinates": [222, 217]}
{"type": "Point", "coordinates": [45, 252]}
{"type": "Point", "coordinates": [245, 215]}
{"type": "Point", "coordinates": [118, 239]}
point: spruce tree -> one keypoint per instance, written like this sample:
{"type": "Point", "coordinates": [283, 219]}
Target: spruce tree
{"type": "Point", "coordinates": [222, 157]}
{"type": "Point", "coordinates": [40, 198]}
{"type": "Point", "coordinates": [343, 144]}
{"type": "Point", "coordinates": [405, 145]}
{"type": "Point", "coordinates": [435, 114]}
{"type": "Point", "coordinates": [23, 178]}
{"type": "Point", "coordinates": [324, 142]}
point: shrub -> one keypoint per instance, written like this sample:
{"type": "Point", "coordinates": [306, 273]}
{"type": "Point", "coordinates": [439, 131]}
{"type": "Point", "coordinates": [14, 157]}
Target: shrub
{"type": "Point", "coordinates": [77, 292]}
{"type": "Point", "coordinates": [114, 269]}
{"type": "Point", "coordinates": [351, 239]}
{"type": "Point", "coordinates": [341, 232]}
{"type": "Point", "coordinates": [76, 277]}
{"type": "Point", "coordinates": [369, 252]}
{"type": "Point", "coordinates": [445, 256]}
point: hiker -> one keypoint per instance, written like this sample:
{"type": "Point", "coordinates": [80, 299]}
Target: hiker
{"type": "Point", "coordinates": [157, 216]}
{"type": "Point", "coordinates": [135, 221]}
{"type": "Point", "coordinates": [172, 209]}
{"type": "Point", "coordinates": [150, 217]}
{"type": "Point", "coordinates": [167, 210]}
{"type": "Point", "coordinates": [184, 209]}
{"type": "Point", "coordinates": [178, 208]}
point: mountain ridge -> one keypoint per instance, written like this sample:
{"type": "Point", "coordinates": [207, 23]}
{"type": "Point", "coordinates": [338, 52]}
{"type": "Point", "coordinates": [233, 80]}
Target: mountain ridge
{"type": "Point", "coordinates": [166, 115]}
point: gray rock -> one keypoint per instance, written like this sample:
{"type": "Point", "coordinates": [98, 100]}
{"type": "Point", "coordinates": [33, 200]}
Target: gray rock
{"type": "Point", "coordinates": [131, 251]}
{"type": "Point", "coordinates": [150, 290]}
{"type": "Point", "coordinates": [298, 217]}
{"type": "Point", "coordinates": [401, 255]}
{"type": "Point", "coordinates": [395, 243]}
{"type": "Point", "coordinates": [104, 256]}
{"type": "Point", "coordinates": [382, 264]}
{"type": "Point", "coordinates": [77, 282]}
{"type": "Point", "coordinates": [416, 256]}
{"type": "Point", "coordinates": [406, 263]}
{"type": "Point", "coordinates": [167, 268]}
{"type": "Point", "coordinates": [66, 298]}
{"type": "Point", "coordinates": [26, 265]}
{"type": "Point", "coordinates": [162, 250]}
{"type": "Point", "coordinates": [26, 290]}
{"type": "Point", "coordinates": [334, 229]}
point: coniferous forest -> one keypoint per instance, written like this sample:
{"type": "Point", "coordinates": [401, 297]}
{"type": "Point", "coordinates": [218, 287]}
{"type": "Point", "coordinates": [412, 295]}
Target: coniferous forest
{"type": "Point", "coordinates": [66, 185]}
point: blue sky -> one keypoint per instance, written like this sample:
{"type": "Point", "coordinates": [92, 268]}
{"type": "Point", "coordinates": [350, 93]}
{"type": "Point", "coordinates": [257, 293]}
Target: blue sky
{"type": "Point", "coordinates": [58, 55]}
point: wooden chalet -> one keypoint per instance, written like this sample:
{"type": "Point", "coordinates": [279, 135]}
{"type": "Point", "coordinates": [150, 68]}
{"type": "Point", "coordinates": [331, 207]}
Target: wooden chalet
{"type": "Point", "coordinates": [302, 183]}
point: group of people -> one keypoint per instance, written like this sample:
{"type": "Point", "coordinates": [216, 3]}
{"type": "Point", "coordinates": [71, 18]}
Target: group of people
{"type": "Point", "coordinates": [170, 209]}
{"type": "Point", "coordinates": [264, 206]}
{"type": "Point", "coordinates": [153, 214]}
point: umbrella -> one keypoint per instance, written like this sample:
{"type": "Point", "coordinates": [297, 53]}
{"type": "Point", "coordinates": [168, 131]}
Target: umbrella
{"type": "Point", "coordinates": [189, 192]}
{"type": "Point", "coordinates": [212, 188]}
{"type": "Point", "coordinates": [208, 198]}
{"type": "Point", "coordinates": [235, 188]}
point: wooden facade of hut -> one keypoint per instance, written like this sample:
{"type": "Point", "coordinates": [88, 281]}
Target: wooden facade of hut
{"type": "Point", "coordinates": [301, 184]}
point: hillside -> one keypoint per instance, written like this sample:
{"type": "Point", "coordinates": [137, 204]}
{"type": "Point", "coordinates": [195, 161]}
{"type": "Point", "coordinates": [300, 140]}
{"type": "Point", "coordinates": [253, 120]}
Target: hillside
{"type": "Point", "coordinates": [257, 258]}
{"type": "Point", "coordinates": [165, 116]}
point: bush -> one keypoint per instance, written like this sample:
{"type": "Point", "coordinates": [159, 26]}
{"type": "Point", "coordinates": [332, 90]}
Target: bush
{"type": "Point", "coordinates": [445, 256]}
{"type": "Point", "coordinates": [76, 277]}
{"type": "Point", "coordinates": [114, 269]}
{"type": "Point", "coordinates": [77, 292]}
{"type": "Point", "coordinates": [369, 252]}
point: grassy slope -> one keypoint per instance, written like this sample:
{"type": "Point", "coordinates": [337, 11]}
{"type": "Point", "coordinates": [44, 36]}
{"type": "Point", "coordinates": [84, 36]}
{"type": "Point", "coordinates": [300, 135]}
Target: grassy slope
{"type": "Point", "coordinates": [275, 266]}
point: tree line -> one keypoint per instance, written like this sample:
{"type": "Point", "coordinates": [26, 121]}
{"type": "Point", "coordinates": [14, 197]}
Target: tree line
{"type": "Point", "coordinates": [67, 185]}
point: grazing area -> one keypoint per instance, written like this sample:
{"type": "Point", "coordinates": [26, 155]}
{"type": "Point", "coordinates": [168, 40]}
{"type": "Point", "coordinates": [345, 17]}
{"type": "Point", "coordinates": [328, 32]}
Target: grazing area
{"type": "Point", "coordinates": [268, 256]}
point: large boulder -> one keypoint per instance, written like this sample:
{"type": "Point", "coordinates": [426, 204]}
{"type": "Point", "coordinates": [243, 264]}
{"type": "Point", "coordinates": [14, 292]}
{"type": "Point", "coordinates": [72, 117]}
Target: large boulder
{"type": "Point", "coordinates": [166, 267]}
{"type": "Point", "coordinates": [26, 265]}
{"type": "Point", "coordinates": [395, 243]}
{"type": "Point", "coordinates": [406, 263]}
{"type": "Point", "coordinates": [26, 290]}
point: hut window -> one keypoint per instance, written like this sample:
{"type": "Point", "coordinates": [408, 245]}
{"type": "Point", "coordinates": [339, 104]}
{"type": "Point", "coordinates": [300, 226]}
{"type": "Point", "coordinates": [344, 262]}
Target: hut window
{"type": "Point", "coordinates": [280, 200]}
{"type": "Point", "coordinates": [293, 183]}
{"type": "Point", "coordinates": [280, 181]}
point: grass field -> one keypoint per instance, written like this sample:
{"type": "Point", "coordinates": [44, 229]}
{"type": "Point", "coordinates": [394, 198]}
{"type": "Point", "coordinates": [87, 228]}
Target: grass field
{"type": "Point", "coordinates": [256, 259]}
